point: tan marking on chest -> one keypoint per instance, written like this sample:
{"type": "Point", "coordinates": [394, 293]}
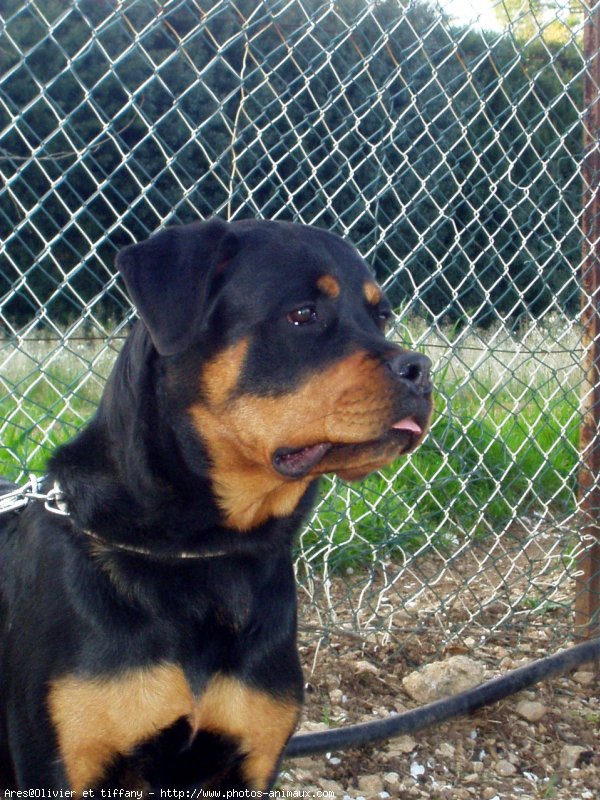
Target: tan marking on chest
{"type": "Point", "coordinates": [97, 720]}
{"type": "Point", "coordinates": [262, 724]}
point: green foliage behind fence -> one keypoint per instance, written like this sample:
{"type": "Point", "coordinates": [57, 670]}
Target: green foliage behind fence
{"type": "Point", "coordinates": [449, 151]}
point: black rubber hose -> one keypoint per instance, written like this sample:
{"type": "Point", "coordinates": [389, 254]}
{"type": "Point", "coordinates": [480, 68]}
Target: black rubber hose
{"type": "Point", "coordinates": [464, 703]}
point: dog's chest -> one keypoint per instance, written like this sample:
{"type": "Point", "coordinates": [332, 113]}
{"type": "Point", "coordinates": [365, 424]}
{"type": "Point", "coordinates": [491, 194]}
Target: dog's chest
{"type": "Point", "coordinates": [98, 720]}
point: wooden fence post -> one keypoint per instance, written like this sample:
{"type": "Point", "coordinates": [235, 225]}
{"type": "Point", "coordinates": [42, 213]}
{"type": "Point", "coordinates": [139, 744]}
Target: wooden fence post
{"type": "Point", "coordinates": [587, 601]}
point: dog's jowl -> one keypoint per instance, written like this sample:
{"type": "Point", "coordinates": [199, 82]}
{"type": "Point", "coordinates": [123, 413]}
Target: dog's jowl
{"type": "Point", "coordinates": [149, 637]}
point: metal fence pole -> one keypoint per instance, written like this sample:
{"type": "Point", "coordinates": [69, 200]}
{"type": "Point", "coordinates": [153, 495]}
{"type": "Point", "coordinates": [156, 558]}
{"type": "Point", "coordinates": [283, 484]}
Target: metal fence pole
{"type": "Point", "coordinates": [587, 604]}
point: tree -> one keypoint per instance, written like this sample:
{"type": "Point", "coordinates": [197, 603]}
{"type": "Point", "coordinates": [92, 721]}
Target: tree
{"type": "Point", "coordinates": [554, 21]}
{"type": "Point", "coordinates": [451, 162]}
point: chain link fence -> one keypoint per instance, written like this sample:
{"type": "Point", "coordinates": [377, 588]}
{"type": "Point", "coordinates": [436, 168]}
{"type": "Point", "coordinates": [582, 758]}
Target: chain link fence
{"type": "Point", "coordinates": [445, 141]}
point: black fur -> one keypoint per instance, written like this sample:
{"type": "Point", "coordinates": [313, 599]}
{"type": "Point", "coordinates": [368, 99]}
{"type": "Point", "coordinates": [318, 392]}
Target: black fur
{"type": "Point", "coordinates": [105, 593]}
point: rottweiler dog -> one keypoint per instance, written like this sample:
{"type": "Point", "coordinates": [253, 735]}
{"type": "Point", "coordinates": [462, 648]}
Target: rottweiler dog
{"type": "Point", "coordinates": [149, 636]}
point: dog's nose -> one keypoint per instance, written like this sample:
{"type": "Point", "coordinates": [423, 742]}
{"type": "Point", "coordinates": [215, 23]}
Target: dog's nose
{"type": "Point", "coordinates": [411, 367]}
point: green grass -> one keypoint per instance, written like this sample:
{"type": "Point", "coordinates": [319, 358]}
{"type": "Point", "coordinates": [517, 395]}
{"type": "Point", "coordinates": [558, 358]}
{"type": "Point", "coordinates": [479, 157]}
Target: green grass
{"type": "Point", "coordinates": [503, 444]}
{"type": "Point", "coordinates": [480, 469]}
{"type": "Point", "coordinates": [45, 396]}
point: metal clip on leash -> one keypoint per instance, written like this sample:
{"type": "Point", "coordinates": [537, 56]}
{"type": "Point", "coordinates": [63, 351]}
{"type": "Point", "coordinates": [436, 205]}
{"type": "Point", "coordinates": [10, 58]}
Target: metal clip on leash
{"type": "Point", "coordinates": [22, 496]}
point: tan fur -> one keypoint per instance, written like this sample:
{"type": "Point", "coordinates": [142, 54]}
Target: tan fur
{"type": "Point", "coordinates": [329, 285]}
{"type": "Point", "coordinates": [350, 402]}
{"type": "Point", "coordinates": [98, 719]}
{"type": "Point", "coordinates": [372, 292]}
{"type": "Point", "coordinates": [221, 375]}
{"type": "Point", "coordinates": [260, 722]}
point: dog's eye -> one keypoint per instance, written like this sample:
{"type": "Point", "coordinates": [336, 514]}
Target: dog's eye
{"type": "Point", "coordinates": [384, 316]}
{"type": "Point", "coordinates": [302, 315]}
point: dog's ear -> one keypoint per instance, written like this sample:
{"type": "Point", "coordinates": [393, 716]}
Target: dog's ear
{"type": "Point", "coordinates": [168, 277]}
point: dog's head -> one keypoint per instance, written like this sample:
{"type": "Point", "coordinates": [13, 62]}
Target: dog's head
{"type": "Point", "coordinates": [282, 327]}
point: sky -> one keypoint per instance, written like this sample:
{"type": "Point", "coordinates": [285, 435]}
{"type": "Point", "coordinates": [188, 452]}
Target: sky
{"type": "Point", "coordinates": [477, 12]}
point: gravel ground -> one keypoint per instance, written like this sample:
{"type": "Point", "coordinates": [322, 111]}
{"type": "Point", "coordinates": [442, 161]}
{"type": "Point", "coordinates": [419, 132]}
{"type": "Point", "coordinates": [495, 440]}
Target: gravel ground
{"type": "Point", "coordinates": [540, 743]}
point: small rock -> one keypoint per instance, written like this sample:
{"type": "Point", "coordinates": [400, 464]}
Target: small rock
{"type": "Point", "coordinates": [314, 726]}
{"type": "Point", "coordinates": [391, 781]}
{"type": "Point", "coordinates": [371, 785]}
{"type": "Point", "coordinates": [330, 786]}
{"type": "Point", "coordinates": [304, 775]}
{"type": "Point", "coordinates": [489, 793]}
{"type": "Point", "coordinates": [416, 770]}
{"type": "Point", "coordinates": [584, 678]}
{"type": "Point", "coordinates": [531, 710]}
{"type": "Point", "coordinates": [401, 746]}
{"type": "Point", "coordinates": [505, 768]}
{"type": "Point", "coordinates": [365, 667]}
{"type": "Point", "coordinates": [445, 750]}
{"type": "Point", "coordinates": [570, 755]}
{"type": "Point", "coordinates": [303, 763]}
{"type": "Point", "coordinates": [443, 678]}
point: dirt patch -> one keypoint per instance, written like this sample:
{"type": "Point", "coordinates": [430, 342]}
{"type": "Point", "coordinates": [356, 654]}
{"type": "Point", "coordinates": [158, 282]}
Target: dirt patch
{"type": "Point", "coordinates": [546, 748]}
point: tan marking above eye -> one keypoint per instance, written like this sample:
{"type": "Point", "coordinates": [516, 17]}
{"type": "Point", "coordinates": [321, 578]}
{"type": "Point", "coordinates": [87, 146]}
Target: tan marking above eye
{"type": "Point", "coordinates": [372, 292]}
{"type": "Point", "coordinates": [329, 286]}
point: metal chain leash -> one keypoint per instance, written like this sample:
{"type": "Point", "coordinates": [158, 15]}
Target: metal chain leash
{"type": "Point", "coordinates": [21, 496]}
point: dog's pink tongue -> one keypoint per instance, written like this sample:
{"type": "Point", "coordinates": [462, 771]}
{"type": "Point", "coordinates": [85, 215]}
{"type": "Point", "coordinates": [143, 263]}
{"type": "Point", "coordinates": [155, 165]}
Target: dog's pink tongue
{"type": "Point", "coordinates": [407, 424]}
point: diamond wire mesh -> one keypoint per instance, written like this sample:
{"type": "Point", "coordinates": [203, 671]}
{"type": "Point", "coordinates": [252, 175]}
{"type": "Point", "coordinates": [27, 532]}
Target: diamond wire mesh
{"type": "Point", "coordinates": [447, 149]}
